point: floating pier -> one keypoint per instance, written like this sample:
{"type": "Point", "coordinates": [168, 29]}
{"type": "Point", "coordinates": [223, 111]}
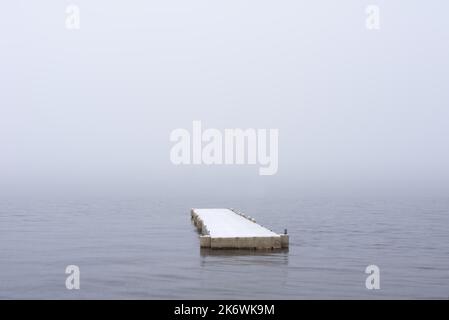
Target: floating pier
{"type": "Point", "coordinates": [230, 229]}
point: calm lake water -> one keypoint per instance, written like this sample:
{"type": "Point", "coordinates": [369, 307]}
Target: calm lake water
{"type": "Point", "coordinates": [148, 248]}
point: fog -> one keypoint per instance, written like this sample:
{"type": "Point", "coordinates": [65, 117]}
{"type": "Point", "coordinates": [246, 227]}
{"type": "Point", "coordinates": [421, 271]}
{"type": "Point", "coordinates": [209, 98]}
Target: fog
{"type": "Point", "coordinates": [91, 110]}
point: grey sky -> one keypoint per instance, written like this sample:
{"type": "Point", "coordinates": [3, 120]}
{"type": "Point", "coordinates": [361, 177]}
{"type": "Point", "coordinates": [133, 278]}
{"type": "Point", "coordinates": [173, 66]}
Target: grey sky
{"type": "Point", "coordinates": [93, 109]}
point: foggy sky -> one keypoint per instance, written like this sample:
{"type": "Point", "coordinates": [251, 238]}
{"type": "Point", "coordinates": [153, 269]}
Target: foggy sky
{"type": "Point", "coordinates": [93, 109]}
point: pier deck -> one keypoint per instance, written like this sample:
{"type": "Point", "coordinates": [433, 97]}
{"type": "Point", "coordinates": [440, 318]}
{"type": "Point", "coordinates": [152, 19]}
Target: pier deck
{"type": "Point", "coordinates": [229, 229]}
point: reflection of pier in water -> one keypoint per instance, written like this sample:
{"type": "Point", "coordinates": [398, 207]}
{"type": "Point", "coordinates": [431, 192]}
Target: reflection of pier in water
{"type": "Point", "coordinates": [243, 257]}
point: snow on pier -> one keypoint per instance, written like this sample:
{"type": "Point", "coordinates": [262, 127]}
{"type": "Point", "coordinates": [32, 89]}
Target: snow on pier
{"type": "Point", "coordinates": [230, 229]}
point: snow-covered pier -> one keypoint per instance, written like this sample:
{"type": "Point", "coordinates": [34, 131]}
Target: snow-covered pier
{"type": "Point", "coordinates": [230, 229]}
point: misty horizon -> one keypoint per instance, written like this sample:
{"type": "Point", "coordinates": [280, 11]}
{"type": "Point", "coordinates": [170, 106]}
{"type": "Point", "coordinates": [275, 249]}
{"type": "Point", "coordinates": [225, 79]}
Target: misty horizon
{"type": "Point", "coordinates": [357, 111]}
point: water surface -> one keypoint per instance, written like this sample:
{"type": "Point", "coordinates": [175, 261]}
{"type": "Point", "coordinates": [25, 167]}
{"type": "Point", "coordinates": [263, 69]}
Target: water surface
{"type": "Point", "coordinates": [148, 248]}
